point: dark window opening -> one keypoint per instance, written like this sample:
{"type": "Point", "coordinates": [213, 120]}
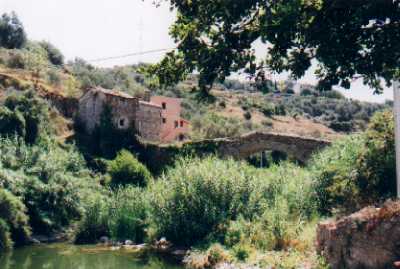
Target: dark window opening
{"type": "Point", "coordinates": [181, 137]}
{"type": "Point", "coordinates": [122, 122]}
{"type": "Point", "coordinates": [176, 124]}
{"type": "Point", "coordinates": [164, 106]}
{"type": "Point", "coordinates": [181, 123]}
{"type": "Point", "coordinates": [164, 120]}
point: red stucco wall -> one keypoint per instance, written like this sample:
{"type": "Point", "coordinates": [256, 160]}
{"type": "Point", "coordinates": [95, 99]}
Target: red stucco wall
{"type": "Point", "coordinates": [174, 127]}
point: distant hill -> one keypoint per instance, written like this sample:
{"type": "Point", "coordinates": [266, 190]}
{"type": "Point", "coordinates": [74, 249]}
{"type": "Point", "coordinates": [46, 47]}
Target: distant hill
{"type": "Point", "coordinates": [236, 107]}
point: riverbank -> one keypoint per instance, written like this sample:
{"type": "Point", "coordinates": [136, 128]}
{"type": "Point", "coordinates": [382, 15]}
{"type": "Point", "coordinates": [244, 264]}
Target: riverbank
{"type": "Point", "coordinates": [66, 256]}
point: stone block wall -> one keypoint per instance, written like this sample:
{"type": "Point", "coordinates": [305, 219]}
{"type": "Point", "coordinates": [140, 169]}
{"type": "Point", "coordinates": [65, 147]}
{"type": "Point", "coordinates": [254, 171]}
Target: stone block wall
{"type": "Point", "coordinates": [149, 121]}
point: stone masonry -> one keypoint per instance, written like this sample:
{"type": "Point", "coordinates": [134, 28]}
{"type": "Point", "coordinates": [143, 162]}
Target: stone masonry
{"type": "Point", "coordinates": [128, 112]}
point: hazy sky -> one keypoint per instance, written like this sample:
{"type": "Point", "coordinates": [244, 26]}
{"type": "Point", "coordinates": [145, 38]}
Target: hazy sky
{"type": "Point", "coordinates": [93, 29]}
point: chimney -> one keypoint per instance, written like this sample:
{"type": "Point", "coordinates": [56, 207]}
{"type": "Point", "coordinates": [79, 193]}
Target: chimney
{"type": "Point", "coordinates": [146, 96]}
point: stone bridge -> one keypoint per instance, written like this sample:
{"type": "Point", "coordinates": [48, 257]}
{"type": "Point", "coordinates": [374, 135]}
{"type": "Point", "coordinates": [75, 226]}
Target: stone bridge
{"type": "Point", "coordinates": [301, 148]}
{"type": "Point", "coordinates": [157, 157]}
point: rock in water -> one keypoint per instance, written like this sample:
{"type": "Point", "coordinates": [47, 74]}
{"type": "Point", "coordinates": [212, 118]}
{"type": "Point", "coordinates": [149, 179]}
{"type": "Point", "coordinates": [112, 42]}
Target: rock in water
{"type": "Point", "coordinates": [128, 242]}
{"type": "Point", "coordinates": [368, 239]}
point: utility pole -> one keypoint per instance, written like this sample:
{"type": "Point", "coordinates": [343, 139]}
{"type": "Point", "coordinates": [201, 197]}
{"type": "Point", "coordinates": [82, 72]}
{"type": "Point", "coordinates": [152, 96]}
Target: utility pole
{"type": "Point", "coordinates": [396, 111]}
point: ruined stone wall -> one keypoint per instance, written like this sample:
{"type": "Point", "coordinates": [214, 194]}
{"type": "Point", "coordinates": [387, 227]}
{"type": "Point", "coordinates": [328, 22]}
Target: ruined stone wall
{"type": "Point", "coordinates": [368, 239]}
{"type": "Point", "coordinates": [149, 121]}
{"type": "Point", "coordinates": [92, 104]}
{"type": "Point", "coordinates": [123, 111]}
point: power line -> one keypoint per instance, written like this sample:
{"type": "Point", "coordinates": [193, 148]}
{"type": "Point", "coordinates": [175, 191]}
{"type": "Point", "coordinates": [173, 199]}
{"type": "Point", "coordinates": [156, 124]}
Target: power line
{"type": "Point", "coordinates": [129, 55]}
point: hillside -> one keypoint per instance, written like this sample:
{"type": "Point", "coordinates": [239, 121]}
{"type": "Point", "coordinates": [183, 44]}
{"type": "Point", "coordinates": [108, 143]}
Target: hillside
{"type": "Point", "coordinates": [236, 108]}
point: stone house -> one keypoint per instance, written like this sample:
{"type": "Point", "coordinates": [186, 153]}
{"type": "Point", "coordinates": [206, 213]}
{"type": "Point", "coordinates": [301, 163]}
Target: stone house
{"type": "Point", "coordinates": [147, 117]}
{"type": "Point", "coordinates": [128, 112]}
{"type": "Point", "coordinates": [174, 127]}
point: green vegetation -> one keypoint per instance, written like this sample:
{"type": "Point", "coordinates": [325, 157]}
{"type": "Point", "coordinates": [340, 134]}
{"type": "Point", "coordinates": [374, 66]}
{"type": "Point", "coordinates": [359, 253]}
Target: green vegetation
{"type": "Point", "coordinates": [51, 180]}
{"type": "Point", "coordinates": [195, 199]}
{"type": "Point", "coordinates": [127, 170]}
{"type": "Point", "coordinates": [211, 125]}
{"type": "Point", "coordinates": [215, 38]}
{"type": "Point", "coordinates": [120, 214]}
{"type": "Point", "coordinates": [12, 32]}
{"type": "Point", "coordinates": [359, 170]}
{"type": "Point", "coordinates": [226, 210]}
{"type": "Point", "coordinates": [26, 115]}
{"type": "Point", "coordinates": [14, 225]}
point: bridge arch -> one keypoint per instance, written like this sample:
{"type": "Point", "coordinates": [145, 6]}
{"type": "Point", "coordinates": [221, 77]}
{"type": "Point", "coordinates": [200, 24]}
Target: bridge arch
{"type": "Point", "coordinates": [301, 148]}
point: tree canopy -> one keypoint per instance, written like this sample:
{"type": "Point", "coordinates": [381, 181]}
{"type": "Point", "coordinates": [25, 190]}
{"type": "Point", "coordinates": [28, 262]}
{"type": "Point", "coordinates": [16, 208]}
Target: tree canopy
{"type": "Point", "coordinates": [12, 33]}
{"type": "Point", "coordinates": [348, 40]}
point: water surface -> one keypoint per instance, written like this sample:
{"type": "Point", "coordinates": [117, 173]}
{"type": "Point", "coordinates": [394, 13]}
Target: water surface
{"type": "Point", "coordinates": [62, 256]}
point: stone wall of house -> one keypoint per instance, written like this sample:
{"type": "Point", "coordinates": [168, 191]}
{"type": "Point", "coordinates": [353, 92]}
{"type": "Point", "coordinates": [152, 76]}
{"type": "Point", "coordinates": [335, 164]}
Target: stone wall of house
{"type": "Point", "coordinates": [149, 121]}
{"type": "Point", "coordinates": [93, 103]}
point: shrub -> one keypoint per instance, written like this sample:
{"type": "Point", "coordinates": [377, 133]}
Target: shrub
{"type": "Point", "coordinates": [198, 198]}
{"type": "Point", "coordinates": [122, 216]}
{"type": "Point", "coordinates": [45, 176]}
{"type": "Point", "coordinates": [247, 115]}
{"type": "Point", "coordinates": [53, 54]}
{"type": "Point", "coordinates": [377, 161]}
{"type": "Point", "coordinates": [334, 172]}
{"type": "Point", "coordinates": [13, 221]}
{"type": "Point", "coordinates": [212, 125]}
{"type": "Point", "coordinates": [6, 242]}
{"type": "Point", "coordinates": [126, 169]}
{"type": "Point", "coordinates": [357, 171]}
{"type": "Point", "coordinates": [12, 32]}
{"type": "Point", "coordinates": [54, 77]}
{"type": "Point", "coordinates": [268, 109]}
{"type": "Point", "coordinates": [128, 215]}
{"type": "Point", "coordinates": [94, 223]}
{"type": "Point", "coordinates": [242, 252]}
{"type": "Point", "coordinates": [26, 115]}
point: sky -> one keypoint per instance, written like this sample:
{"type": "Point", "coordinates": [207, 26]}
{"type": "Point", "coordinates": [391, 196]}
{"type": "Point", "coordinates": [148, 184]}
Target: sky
{"type": "Point", "coordinates": [93, 29]}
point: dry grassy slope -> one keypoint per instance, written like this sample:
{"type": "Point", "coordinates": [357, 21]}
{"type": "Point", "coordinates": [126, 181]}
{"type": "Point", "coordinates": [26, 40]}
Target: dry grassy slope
{"type": "Point", "coordinates": [280, 124]}
{"type": "Point", "coordinates": [22, 80]}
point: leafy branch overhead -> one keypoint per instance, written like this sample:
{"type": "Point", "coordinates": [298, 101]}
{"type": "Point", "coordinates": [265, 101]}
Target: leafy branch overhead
{"type": "Point", "coordinates": [347, 40]}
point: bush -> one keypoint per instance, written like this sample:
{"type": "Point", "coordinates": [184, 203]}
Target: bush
{"type": "Point", "coordinates": [45, 176]}
{"type": "Point", "coordinates": [247, 115]}
{"type": "Point", "coordinates": [242, 252]}
{"type": "Point", "coordinates": [128, 215]}
{"type": "Point", "coordinates": [377, 161]}
{"type": "Point", "coordinates": [12, 32]}
{"type": "Point", "coordinates": [212, 125]}
{"type": "Point", "coordinates": [126, 169]}
{"type": "Point", "coordinates": [122, 216]}
{"type": "Point", "coordinates": [334, 172]}
{"type": "Point", "coordinates": [94, 223]}
{"type": "Point", "coordinates": [14, 225]}
{"type": "Point", "coordinates": [53, 54]}
{"type": "Point", "coordinates": [198, 198]}
{"type": "Point", "coordinates": [6, 242]}
{"type": "Point", "coordinates": [359, 170]}
{"type": "Point", "coordinates": [26, 115]}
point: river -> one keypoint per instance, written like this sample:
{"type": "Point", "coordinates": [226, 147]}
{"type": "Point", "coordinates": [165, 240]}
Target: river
{"type": "Point", "coordinates": [63, 256]}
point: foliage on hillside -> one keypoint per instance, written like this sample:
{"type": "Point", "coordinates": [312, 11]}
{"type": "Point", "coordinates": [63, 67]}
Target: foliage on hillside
{"type": "Point", "coordinates": [359, 170]}
{"type": "Point", "coordinates": [51, 180]}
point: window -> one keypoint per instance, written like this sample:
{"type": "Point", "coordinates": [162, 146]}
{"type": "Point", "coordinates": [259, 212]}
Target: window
{"type": "Point", "coordinates": [176, 124]}
{"type": "Point", "coordinates": [181, 123]}
{"type": "Point", "coordinates": [164, 120]}
{"type": "Point", "coordinates": [181, 137]}
{"type": "Point", "coordinates": [164, 106]}
{"type": "Point", "coordinates": [121, 122]}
